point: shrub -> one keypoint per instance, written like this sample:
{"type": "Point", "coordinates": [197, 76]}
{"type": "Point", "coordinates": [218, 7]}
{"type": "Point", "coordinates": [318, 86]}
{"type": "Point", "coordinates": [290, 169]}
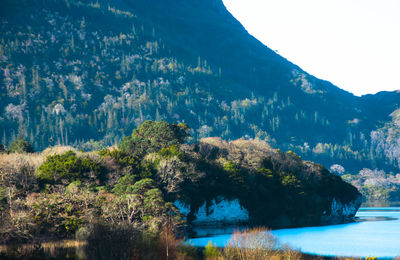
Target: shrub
{"type": "Point", "coordinates": [122, 158]}
{"type": "Point", "coordinates": [254, 243]}
{"type": "Point", "coordinates": [211, 251]}
{"type": "Point", "coordinates": [67, 167]}
{"type": "Point", "coordinates": [188, 251]}
{"type": "Point", "coordinates": [170, 152]}
{"type": "Point", "coordinates": [20, 146]}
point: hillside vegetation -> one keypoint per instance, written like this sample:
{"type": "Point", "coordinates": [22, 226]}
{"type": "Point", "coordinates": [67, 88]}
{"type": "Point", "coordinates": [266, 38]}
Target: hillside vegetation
{"type": "Point", "coordinates": [64, 193]}
{"type": "Point", "coordinates": [86, 73]}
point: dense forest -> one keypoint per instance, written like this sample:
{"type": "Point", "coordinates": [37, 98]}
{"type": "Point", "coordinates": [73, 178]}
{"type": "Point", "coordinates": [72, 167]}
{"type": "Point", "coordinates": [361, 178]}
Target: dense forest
{"type": "Point", "coordinates": [130, 191]}
{"type": "Point", "coordinates": [86, 73]}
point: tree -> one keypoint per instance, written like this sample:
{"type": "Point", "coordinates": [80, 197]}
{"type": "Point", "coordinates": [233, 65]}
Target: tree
{"type": "Point", "coordinates": [20, 146]}
{"type": "Point", "coordinates": [337, 169]}
{"type": "Point", "coordinates": [152, 136]}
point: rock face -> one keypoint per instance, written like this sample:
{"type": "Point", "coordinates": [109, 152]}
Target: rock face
{"type": "Point", "coordinates": [341, 212]}
{"type": "Point", "coordinates": [219, 212]}
{"type": "Point", "coordinates": [224, 212]}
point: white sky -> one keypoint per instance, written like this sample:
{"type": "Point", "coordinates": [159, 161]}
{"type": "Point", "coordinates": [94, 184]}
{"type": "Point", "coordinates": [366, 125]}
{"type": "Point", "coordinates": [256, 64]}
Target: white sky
{"type": "Point", "coordinates": [355, 44]}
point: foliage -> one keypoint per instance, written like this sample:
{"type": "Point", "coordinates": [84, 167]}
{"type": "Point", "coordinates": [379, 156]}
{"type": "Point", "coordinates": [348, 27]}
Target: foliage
{"type": "Point", "coordinates": [152, 136]}
{"type": "Point", "coordinates": [211, 251]}
{"type": "Point", "coordinates": [20, 146]}
{"type": "Point", "coordinates": [376, 185]}
{"type": "Point", "coordinates": [170, 152]}
{"type": "Point", "coordinates": [121, 158]}
{"type": "Point", "coordinates": [62, 212]}
{"type": "Point", "coordinates": [67, 167]}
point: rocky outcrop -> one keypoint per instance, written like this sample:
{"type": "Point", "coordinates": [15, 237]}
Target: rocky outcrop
{"type": "Point", "coordinates": [222, 212]}
{"type": "Point", "coordinates": [340, 212]}
{"type": "Point", "coordinates": [219, 212]}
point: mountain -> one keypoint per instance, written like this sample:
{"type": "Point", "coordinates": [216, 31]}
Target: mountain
{"type": "Point", "coordinates": [76, 71]}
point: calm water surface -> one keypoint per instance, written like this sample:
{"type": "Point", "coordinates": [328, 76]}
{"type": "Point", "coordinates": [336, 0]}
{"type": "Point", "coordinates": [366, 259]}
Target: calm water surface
{"type": "Point", "coordinates": [377, 234]}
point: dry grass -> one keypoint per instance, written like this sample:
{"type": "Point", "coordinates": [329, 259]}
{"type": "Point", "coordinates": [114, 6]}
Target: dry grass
{"type": "Point", "coordinates": [16, 160]}
{"type": "Point", "coordinates": [57, 150]}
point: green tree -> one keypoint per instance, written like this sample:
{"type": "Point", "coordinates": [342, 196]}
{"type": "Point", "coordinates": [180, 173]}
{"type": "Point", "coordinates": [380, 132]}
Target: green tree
{"type": "Point", "coordinates": [20, 146]}
{"type": "Point", "coordinates": [152, 136]}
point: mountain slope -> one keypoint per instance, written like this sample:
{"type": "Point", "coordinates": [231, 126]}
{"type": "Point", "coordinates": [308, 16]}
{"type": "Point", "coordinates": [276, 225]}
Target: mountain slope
{"type": "Point", "coordinates": [79, 70]}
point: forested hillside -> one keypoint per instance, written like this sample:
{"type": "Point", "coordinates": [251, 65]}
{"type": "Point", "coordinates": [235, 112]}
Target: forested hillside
{"type": "Point", "coordinates": [86, 73]}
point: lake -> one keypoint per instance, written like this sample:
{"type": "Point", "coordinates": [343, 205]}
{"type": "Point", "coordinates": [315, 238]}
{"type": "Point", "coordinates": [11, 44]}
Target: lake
{"type": "Point", "coordinates": [377, 233]}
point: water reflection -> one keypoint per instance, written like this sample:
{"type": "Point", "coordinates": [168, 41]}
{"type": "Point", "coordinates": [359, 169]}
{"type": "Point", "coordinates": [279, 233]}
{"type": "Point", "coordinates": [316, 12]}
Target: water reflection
{"type": "Point", "coordinates": [60, 250]}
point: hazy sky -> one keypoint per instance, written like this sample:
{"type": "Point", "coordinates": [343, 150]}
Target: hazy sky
{"type": "Point", "coordinates": [355, 44]}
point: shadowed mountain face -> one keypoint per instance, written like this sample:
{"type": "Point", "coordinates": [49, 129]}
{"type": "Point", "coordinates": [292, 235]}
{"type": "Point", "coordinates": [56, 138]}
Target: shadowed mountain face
{"type": "Point", "coordinates": [79, 70]}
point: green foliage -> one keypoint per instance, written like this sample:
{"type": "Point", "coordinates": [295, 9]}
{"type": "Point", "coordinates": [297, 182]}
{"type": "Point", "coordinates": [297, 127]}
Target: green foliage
{"type": "Point", "coordinates": [67, 167]}
{"type": "Point", "coordinates": [289, 180]}
{"type": "Point", "coordinates": [20, 146]}
{"type": "Point", "coordinates": [211, 251]}
{"type": "Point", "coordinates": [231, 167]}
{"type": "Point", "coordinates": [129, 184]}
{"type": "Point", "coordinates": [125, 185]}
{"type": "Point", "coordinates": [237, 177]}
{"type": "Point", "coordinates": [265, 172]}
{"type": "Point", "coordinates": [171, 151]}
{"type": "Point", "coordinates": [92, 145]}
{"type": "Point", "coordinates": [62, 213]}
{"type": "Point", "coordinates": [152, 136]}
{"type": "Point", "coordinates": [121, 158]}
{"type": "Point", "coordinates": [142, 186]}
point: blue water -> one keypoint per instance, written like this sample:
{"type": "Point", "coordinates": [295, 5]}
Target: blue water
{"type": "Point", "coordinates": [377, 234]}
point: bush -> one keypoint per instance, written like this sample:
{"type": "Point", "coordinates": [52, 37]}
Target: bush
{"type": "Point", "coordinates": [67, 167]}
{"type": "Point", "coordinates": [20, 146]}
{"type": "Point", "coordinates": [170, 152]}
{"type": "Point", "coordinates": [122, 158]}
{"type": "Point", "coordinates": [251, 244]}
{"type": "Point", "coordinates": [211, 251]}
{"type": "Point", "coordinates": [188, 251]}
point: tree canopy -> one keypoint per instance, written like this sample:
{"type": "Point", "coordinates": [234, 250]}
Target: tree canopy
{"type": "Point", "coordinates": [152, 136]}
{"type": "Point", "coordinates": [20, 146]}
